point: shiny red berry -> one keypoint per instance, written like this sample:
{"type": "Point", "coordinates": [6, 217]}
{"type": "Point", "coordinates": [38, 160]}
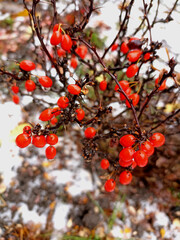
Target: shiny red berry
{"type": "Point", "coordinates": [124, 84]}
{"type": "Point", "coordinates": [46, 115]}
{"type": "Point", "coordinates": [132, 70]}
{"type": "Point", "coordinates": [133, 38]}
{"type": "Point", "coordinates": [124, 48]}
{"type": "Point", "coordinates": [80, 114]}
{"type": "Point", "coordinates": [57, 27]}
{"type": "Point", "coordinates": [147, 147]}
{"type": "Point", "coordinates": [126, 154]}
{"type": "Point", "coordinates": [39, 141]}
{"type": "Point", "coordinates": [134, 165]}
{"type": "Point", "coordinates": [141, 158]}
{"type": "Point", "coordinates": [63, 102]}
{"type": "Point", "coordinates": [56, 111]}
{"type": "Point", "coordinates": [127, 91]}
{"type": "Point", "coordinates": [104, 163]}
{"type": "Point", "coordinates": [50, 152]}
{"type": "Point", "coordinates": [45, 81]}
{"type": "Point", "coordinates": [163, 85]}
{"type": "Point", "coordinates": [74, 89]}
{"type": "Point", "coordinates": [90, 132]}
{"type": "Point", "coordinates": [27, 65]}
{"type": "Point", "coordinates": [15, 89]}
{"type": "Point", "coordinates": [109, 185]}
{"type": "Point", "coordinates": [124, 163]}
{"type": "Point", "coordinates": [74, 62]}
{"type": "Point", "coordinates": [157, 139]}
{"type": "Point", "coordinates": [66, 42]}
{"type": "Point", "coordinates": [56, 38]}
{"type": "Point", "coordinates": [27, 129]}
{"type": "Point", "coordinates": [81, 51]}
{"type": "Point", "coordinates": [135, 99]}
{"type": "Point", "coordinates": [125, 177]}
{"type": "Point", "coordinates": [53, 121]}
{"type": "Point", "coordinates": [147, 56]}
{"type": "Point", "coordinates": [103, 85]}
{"type": "Point", "coordinates": [134, 55]}
{"type": "Point", "coordinates": [15, 99]}
{"type": "Point", "coordinates": [127, 140]}
{"type": "Point", "coordinates": [30, 85]}
{"type": "Point", "coordinates": [52, 139]}
{"type": "Point", "coordinates": [23, 140]}
{"type": "Point", "coordinates": [61, 52]}
{"type": "Point", "coordinates": [114, 47]}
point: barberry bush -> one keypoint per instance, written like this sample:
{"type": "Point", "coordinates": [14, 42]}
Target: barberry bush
{"type": "Point", "coordinates": [113, 93]}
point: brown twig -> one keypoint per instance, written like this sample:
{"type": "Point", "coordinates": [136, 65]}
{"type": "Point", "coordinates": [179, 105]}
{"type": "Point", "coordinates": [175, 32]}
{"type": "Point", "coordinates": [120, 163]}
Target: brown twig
{"type": "Point", "coordinates": [166, 119]}
{"type": "Point", "coordinates": [93, 49]}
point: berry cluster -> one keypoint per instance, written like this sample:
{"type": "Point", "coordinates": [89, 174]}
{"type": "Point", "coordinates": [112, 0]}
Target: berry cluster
{"type": "Point", "coordinates": [24, 139]}
{"type": "Point", "coordinates": [133, 154]}
{"type": "Point", "coordinates": [134, 53]}
{"type": "Point", "coordinates": [59, 37]}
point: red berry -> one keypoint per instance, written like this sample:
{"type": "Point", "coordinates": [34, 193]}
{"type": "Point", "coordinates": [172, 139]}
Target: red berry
{"type": "Point", "coordinates": [133, 38]}
{"type": "Point", "coordinates": [126, 154]}
{"type": "Point", "coordinates": [127, 140]}
{"type": "Point", "coordinates": [110, 185]}
{"type": "Point", "coordinates": [127, 91]}
{"type": "Point", "coordinates": [66, 42]}
{"type": "Point", "coordinates": [90, 132]}
{"type": "Point", "coordinates": [163, 85]}
{"type": "Point", "coordinates": [27, 129]}
{"type": "Point", "coordinates": [132, 70]}
{"type": "Point", "coordinates": [135, 99]}
{"type": "Point", "coordinates": [39, 141]}
{"type": "Point", "coordinates": [30, 85]}
{"type": "Point", "coordinates": [74, 89]}
{"type": "Point", "coordinates": [15, 89]}
{"type": "Point", "coordinates": [134, 164]}
{"type": "Point", "coordinates": [147, 56]}
{"type": "Point", "coordinates": [104, 163]}
{"type": "Point", "coordinates": [124, 84]}
{"type": "Point", "coordinates": [141, 158]}
{"type": "Point", "coordinates": [61, 52]}
{"type": "Point", "coordinates": [57, 27]}
{"type": "Point", "coordinates": [147, 147]}
{"type": "Point", "coordinates": [52, 139]}
{"type": "Point", "coordinates": [56, 111]}
{"type": "Point", "coordinates": [114, 47]}
{"type": "Point", "coordinates": [23, 140]}
{"type": "Point", "coordinates": [74, 62]}
{"type": "Point", "coordinates": [125, 177]}
{"type": "Point", "coordinates": [134, 43]}
{"type": "Point", "coordinates": [81, 51]}
{"type": "Point", "coordinates": [157, 139]}
{"type": "Point", "coordinates": [50, 152]}
{"type": "Point", "coordinates": [103, 85]}
{"type": "Point", "coordinates": [46, 115]}
{"type": "Point", "coordinates": [124, 48]}
{"type": "Point", "coordinates": [124, 163]}
{"type": "Point", "coordinates": [53, 121]}
{"type": "Point", "coordinates": [134, 55]}
{"type": "Point", "coordinates": [56, 38]}
{"type": "Point", "coordinates": [63, 102]}
{"type": "Point", "coordinates": [27, 65]}
{"type": "Point", "coordinates": [45, 81]}
{"type": "Point", "coordinates": [80, 114]}
{"type": "Point", "coordinates": [15, 99]}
